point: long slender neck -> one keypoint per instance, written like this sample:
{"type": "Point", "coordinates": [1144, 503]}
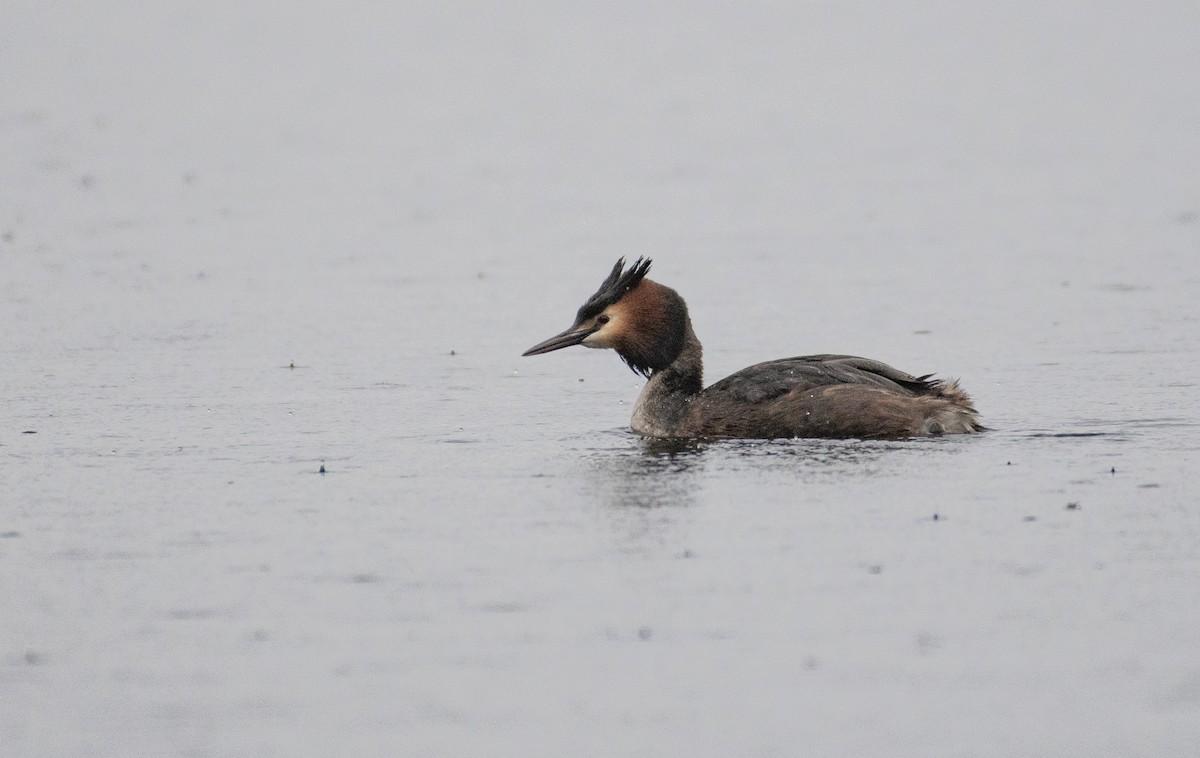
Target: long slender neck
{"type": "Point", "coordinates": [685, 374]}
{"type": "Point", "coordinates": [662, 408]}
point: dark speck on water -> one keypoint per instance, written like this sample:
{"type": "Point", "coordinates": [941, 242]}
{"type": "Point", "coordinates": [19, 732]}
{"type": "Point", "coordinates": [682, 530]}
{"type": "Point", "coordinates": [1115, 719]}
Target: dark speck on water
{"type": "Point", "coordinates": [1072, 506]}
{"type": "Point", "coordinates": [29, 431]}
{"type": "Point", "coordinates": [645, 633]}
{"type": "Point", "coordinates": [322, 469]}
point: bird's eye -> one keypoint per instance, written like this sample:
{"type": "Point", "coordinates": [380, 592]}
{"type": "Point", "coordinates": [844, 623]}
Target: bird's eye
{"type": "Point", "coordinates": [602, 319]}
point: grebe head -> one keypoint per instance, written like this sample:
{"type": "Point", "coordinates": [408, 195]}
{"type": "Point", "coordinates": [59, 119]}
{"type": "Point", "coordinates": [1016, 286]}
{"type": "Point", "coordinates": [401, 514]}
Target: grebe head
{"type": "Point", "coordinates": [642, 320]}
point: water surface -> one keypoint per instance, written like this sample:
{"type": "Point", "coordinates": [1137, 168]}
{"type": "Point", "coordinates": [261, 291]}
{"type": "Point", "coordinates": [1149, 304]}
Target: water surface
{"type": "Point", "coordinates": [240, 245]}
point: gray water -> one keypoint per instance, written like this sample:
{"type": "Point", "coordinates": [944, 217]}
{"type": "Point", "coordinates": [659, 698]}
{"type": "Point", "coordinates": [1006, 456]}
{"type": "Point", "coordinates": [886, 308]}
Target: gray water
{"type": "Point", "coordinates": [242, 243]}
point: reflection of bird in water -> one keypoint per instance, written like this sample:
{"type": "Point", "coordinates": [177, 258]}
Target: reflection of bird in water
{"type": "Point", "coordinates": [646, 476]}
{"type": "Point", "coordinates": [808, 396]}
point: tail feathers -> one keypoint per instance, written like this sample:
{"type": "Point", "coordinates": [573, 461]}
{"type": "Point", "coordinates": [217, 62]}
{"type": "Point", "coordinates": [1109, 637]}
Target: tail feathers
{"type": "Point", "coordinates": [956, 413]}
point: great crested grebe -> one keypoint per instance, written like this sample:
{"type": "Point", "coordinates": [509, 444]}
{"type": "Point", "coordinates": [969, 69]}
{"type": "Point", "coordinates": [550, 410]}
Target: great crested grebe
{"type": "Point", "coordinates": [808, 396]}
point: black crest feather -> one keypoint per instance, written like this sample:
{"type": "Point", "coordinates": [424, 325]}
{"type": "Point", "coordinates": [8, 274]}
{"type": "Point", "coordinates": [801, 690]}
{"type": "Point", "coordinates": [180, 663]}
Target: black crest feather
{"type": "Point", "coordinates": [615, 287]}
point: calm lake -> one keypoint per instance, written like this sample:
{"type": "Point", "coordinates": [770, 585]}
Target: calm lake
{"type": "Point", "coordinates": [275, 480]}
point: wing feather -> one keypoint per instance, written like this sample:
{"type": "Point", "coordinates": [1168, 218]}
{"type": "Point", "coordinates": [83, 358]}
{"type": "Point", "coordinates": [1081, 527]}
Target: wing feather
{"type": "Point", "coordinates": [765, 381]}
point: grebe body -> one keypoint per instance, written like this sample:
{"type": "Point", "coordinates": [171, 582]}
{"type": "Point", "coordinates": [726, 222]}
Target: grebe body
{"type": "Point", "coordinates": [838, 396]}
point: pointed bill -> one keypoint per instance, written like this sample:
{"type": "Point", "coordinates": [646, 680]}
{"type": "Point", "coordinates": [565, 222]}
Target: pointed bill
{"type": "Point", "coordinates": [573, 336]}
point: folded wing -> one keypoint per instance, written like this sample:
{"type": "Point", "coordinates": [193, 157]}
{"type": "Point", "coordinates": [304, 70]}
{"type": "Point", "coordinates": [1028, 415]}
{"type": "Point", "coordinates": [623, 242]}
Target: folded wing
{"type": "Point", "coordinates": [766, 381]}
